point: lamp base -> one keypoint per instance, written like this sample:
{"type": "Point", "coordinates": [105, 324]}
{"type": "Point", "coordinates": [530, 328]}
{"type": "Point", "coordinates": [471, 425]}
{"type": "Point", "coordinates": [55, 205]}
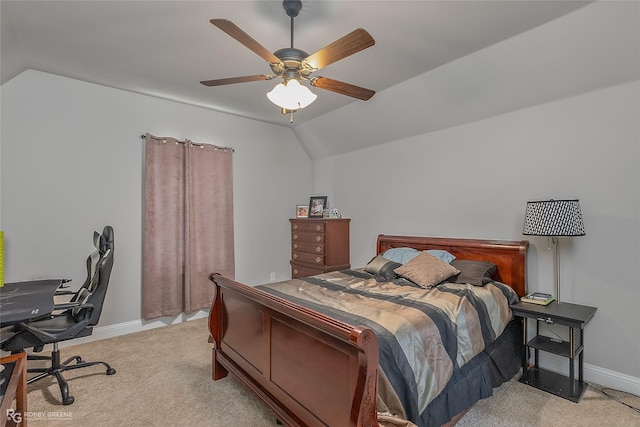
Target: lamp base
{"type": "Point", "coordinates": [556, 266]}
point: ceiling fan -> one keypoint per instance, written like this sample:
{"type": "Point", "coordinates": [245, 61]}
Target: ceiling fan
{"type": "Point", "coordinates": [295, 65]}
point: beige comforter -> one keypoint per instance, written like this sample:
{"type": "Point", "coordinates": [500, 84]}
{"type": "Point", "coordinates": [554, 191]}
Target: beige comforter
{"type": "Point", "coordinates": [423, 334]}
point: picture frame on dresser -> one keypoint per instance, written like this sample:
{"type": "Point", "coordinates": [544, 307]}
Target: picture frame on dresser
{"type": "Point", "coordinates": [317, 205]}
{"type": "Point", "coordinates": [302, 211]}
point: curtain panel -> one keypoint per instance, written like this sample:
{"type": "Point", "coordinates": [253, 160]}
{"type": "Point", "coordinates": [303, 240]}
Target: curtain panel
{"type": "Point", "coordinates": [188, 225]}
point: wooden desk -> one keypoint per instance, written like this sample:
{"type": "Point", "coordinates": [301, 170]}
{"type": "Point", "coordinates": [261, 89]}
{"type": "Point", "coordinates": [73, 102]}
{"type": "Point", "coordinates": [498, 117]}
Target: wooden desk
{"type": "Point", "coordinates": [16, 389]}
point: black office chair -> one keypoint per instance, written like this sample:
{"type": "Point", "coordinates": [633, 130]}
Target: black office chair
{"type": "Point", "coordinates": [70, 320]}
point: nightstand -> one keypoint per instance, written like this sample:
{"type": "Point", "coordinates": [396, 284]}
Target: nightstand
{"type": "Point", "coordinates": [573, 316]}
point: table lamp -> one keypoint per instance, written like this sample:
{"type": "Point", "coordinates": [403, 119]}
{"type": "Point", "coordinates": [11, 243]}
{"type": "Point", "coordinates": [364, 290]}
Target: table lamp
{"type": "Point", "coordinates": [554, 218]}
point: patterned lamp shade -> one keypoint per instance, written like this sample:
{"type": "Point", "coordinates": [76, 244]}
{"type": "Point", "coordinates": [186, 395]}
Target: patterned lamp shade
{"type": "Point", "coordinates": [553, 218]}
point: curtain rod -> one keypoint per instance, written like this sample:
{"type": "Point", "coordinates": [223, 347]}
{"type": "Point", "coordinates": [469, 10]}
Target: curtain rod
{"type": "Point", "coordinates": [164, 141]}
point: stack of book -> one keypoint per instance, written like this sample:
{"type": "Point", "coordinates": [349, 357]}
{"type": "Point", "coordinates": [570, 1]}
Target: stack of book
{"type": "Point", "coordinates": [539, 298]}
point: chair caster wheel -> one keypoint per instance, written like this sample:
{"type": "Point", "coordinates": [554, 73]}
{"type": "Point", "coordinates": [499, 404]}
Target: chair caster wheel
{"type": "Point", "coordinates": [68, 400]}
{"type": "Point", "coordinates": [111, 371]}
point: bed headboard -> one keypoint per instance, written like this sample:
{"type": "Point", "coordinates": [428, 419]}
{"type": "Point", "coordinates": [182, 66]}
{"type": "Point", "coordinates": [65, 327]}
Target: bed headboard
{"type": "Point", "coordinates": [509, 256]}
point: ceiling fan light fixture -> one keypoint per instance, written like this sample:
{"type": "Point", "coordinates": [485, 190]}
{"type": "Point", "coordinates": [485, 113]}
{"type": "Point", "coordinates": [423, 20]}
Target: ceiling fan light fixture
{"type": "Point", "coordinates": [291, 95]}
{"type": "Point", "coordinates": [294, 65]}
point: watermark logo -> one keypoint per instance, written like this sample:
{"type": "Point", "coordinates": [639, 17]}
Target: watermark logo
{"type": "Point", "coordinates": [14, 416]}
{"type": "Point", "coordinates": [17, 417]}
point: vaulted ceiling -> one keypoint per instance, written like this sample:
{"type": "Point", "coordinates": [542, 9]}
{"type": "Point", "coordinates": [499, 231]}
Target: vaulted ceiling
{"type": "Point", "coordinates": [165, 48]}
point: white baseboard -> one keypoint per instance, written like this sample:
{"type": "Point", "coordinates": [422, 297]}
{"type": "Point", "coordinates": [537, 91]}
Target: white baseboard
{"type": "Point", "coordinates": [594, 374]}
{"type": "Point", "coordinates": [110, 331]}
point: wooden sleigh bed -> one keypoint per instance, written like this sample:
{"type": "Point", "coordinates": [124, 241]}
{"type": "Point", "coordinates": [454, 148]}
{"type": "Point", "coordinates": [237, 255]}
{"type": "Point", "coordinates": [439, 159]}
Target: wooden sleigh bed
{"type": "Point", "coordinates": [314, 370]}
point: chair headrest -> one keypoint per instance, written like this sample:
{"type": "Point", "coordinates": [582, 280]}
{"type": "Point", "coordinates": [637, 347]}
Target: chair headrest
{"type": "Point", "coordinates": [103, 241]}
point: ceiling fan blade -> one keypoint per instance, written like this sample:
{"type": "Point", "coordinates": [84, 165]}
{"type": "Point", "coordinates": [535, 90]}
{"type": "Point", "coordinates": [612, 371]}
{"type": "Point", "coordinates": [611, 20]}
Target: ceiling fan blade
{"type": "Point", "coordinates": [342, 88]}
{"type": "Point", "coordinates": [232, 80]}
{"type": "Point", "coordinates": [353, 42]}
{"type": "Point", "coordinates": [234, 31]}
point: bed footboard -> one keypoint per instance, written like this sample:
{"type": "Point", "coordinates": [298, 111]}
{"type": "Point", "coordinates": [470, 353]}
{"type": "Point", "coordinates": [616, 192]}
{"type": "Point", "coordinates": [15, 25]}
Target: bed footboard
{"type": "Point", "coordinates": [309, 369]}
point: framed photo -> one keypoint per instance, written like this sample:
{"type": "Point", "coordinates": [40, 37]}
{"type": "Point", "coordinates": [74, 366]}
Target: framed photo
{"type": "Point", "coordinates": [317, 205]}
{"type": "Point", "coordinates": [302, 211]}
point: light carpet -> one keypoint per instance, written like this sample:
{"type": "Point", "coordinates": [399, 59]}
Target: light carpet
{"type": "Point", "coordinates": [164, 379]}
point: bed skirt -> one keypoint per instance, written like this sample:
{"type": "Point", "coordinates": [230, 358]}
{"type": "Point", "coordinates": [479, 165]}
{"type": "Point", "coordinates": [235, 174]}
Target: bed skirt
{"type": "Point", "coordinates": [498, 363]}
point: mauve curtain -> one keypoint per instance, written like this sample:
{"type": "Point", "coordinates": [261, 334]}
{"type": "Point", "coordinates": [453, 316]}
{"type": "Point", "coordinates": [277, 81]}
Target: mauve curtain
{"type": "Point", "coordinates": [188, 225]}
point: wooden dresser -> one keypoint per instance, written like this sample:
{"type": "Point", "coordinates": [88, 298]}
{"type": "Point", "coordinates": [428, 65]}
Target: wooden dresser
{"type": "Point", "coordinates": [319, 245]}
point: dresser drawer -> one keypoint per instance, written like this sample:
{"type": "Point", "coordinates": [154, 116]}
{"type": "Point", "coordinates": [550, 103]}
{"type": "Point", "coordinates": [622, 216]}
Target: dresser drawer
{"type": "Point", "coordinates": [298, 271]}
{"type": "Point", "coordinates": [307, 237]}
{"type": "Point", "coordinates": [308, 258]}
{"type": "Point", "coordinates": [309, 247]}
{"type": "Point", "coordinates": [307, 227]}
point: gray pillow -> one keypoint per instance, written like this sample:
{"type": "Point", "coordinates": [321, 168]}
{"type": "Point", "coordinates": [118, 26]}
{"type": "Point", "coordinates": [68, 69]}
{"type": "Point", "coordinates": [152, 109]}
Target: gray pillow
{"type": "Point", "coordinates": [477, 273]}
{"type": "Point", "coordinates": [381, 266]}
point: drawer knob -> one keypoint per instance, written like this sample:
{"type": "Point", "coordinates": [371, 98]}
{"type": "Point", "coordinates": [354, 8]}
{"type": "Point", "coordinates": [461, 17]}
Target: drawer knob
{"type": "Point", "coordinates": [318, 228]}
{"type": "Point", "coordinates": [318, 248]}
{"type": "Point", "coordinates": [295, 256]}
{"type": "Point", "coordinates": [295, 236]}
{"type": "Point", "coordinates": [295, 246]}
{"type": "Point", "coordinates": [318, 259]}
{"type": "Point", "coordinates": [295, 271]}
{"type": "Point", "coordinates": [318, 238]}
{"type": "Point", "coordinates": [295, 226]}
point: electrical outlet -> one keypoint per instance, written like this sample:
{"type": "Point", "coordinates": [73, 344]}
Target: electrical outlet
{"type": "Point", "coordinates": [272, 277]}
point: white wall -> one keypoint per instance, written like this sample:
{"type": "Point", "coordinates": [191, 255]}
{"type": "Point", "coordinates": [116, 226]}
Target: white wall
{"type": "Point", "coordinates": [594, 47]}
{"type": "Point", "coordinates": [471, 180]}
{"type": "Point", "coordinates": [474, 181]}
{"type": "Point", "coordinates": [72, 162]}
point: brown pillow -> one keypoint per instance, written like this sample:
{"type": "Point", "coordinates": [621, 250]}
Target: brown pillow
{"type": "Point", "coordinates": [426, 271]}
{"type": "Point", "coordinates": [477, 273]}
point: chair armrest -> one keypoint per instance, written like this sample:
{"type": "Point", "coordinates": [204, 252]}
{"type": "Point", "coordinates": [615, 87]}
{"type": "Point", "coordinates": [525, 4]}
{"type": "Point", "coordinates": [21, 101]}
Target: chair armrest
{"type": "Point", "coordinates": [47, 337]}
{"type": "Point", "coordinates": [41, 335]}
